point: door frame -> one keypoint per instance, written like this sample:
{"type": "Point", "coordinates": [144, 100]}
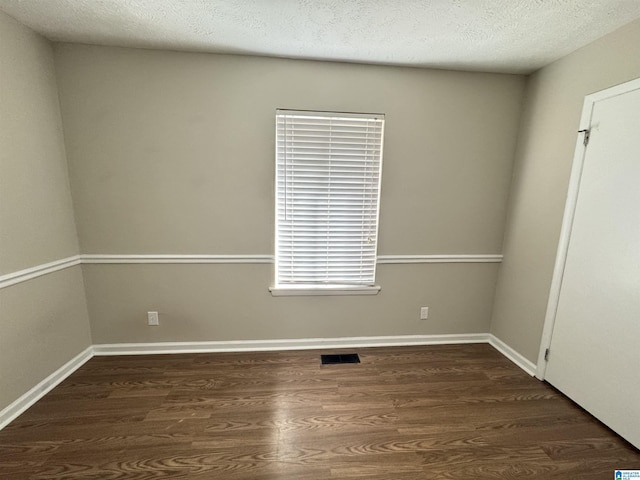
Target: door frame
{"type": "Point", "coordinates": [569, 213]}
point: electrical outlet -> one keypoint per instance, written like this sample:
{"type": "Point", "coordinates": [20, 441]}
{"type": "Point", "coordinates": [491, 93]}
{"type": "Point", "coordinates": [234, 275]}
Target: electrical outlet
{"type": "Point", "coordinates": [152, 318]}
{"type": "Point", "coordinates": [424, 313]}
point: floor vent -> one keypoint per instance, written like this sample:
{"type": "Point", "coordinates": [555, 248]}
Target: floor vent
{"type": "Point", "coordinates": [342, 358]}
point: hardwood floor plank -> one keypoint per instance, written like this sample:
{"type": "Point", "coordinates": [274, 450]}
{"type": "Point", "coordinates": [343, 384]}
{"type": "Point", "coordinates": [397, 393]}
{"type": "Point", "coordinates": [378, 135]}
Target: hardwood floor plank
{"type": "Point", "coordinates": [437, 412]}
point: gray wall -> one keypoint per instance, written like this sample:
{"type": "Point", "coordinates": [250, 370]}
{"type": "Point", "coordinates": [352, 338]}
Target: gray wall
{"type": "Point", "coordinates": [173, 153]}
{"type": "Point", "coordinates": [551, 115]}
{"type": "Point", "coordinates": [43, 322]}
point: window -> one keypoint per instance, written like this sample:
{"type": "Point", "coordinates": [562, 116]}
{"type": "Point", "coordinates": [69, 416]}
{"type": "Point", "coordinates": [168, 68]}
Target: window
{"type": "Point", "coordinates": [328, 169]}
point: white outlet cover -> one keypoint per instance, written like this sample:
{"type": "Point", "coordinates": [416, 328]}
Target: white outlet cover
{"type": "Point", "coordinates": [152, 318]}
{"type": "Point", "coordinates": [424, 313]}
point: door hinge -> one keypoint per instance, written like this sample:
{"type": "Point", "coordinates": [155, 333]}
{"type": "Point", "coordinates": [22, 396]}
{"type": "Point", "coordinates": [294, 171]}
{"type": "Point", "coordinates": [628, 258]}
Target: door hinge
{"type": "Point", "coordinates": [587, 134]}
{"type": "Point", "coordinates": [546, 355]}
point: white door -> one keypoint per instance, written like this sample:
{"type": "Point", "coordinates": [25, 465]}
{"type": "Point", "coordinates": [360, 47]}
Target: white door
{"type": "Point", "coordinates": [594, 355]}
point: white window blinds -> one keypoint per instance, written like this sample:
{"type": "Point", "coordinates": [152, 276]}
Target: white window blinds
{"type": "Point", "coordinates": [327, 195]}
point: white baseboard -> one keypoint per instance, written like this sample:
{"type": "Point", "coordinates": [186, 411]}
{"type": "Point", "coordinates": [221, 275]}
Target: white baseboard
{"type": "Point", "coordinates": [11, 412]}
{"type": "Point", "coordinates": [15, 409]}
{"type": "Point", "coordinates": [288, 344]}
{"type": "Point", "coordinates": [512, 355]}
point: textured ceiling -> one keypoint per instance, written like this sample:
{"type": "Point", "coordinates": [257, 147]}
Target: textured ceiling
{"type": "Point", "coordinates": [516, 36]}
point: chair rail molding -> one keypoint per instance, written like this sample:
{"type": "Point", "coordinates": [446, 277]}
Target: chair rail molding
{"type": "Point", "coordinates": [34, 272]}
{"type": "Point", "coordinates": [14, 278]}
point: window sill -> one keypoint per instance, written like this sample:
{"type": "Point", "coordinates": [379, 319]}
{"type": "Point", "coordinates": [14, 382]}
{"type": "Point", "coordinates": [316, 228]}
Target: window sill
{"type": "Point", "coordinates": [305, 290]}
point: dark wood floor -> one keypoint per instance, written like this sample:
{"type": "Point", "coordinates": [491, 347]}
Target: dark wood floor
{"type": "Point", "coordinates": [440, 412]}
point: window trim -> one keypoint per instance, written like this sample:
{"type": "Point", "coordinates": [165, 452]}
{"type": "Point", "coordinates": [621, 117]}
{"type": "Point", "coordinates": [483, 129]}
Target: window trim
{"type": "Point", "coordinates": [323, 290]}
